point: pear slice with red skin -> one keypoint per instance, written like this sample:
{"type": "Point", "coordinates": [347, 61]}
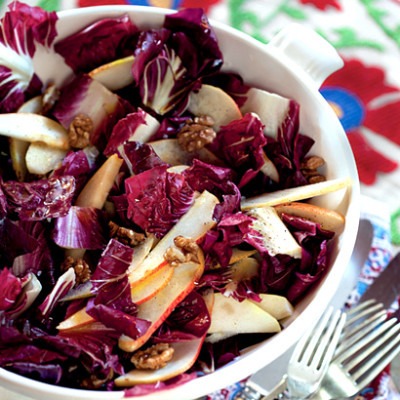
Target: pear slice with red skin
{"type": "Point", "coordinates": [115, 74]}
{"type": "Point", "coordinates": [296, 193]}
{"type": "Point", "coordinates": [158, 308]}
{"type": "Point", "coordinates": [185, 355]}
{"type": "Point", "coordinates": [194, 224]}
{"type": "Point", "coordinates": [215, 103]}
{"type": "Point", "coordinates": [328, 219]}
{"type": "Point", "coordinates": [171, 153]}
{"type": "Point", "coordinates": [34, 128]}
{"type": "Point", "coordinates": [232, 316]}
{"type": "Point", "coordinates": [149, 287]}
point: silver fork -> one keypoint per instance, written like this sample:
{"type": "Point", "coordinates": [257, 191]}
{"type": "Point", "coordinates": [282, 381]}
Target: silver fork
{"type": "Point", "coordinates": [364, 350]}
{"type": "Point", "coordinates": [312, 355]}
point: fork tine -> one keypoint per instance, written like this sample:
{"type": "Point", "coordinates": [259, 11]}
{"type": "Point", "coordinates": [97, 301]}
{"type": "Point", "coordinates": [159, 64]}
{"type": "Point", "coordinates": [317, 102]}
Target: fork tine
{"type": "Point", "coordinates": [374, 339]}
{"type": "Point", "coordinates": [362, 310]}
{"type": "Point", "coordinates": [388, 335]}
{"type": "Point", "coordinates": [327, 346]}
{"type": "Point", "coordinates": [381, 362]}
{"type": "Point", "coordinates": [313, 337]}
{"type": "Point", "coordinates": [350, 337]}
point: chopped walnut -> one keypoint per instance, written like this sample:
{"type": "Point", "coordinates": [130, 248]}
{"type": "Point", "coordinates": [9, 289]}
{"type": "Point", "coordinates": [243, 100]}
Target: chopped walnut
{"type": "Point", "coordinates": [196, 133]}
{"type": "Point", "coordinates": [154, 357]}
{"type": "Point", "coordinates": [186, 250]}
{"type": "Point", "coordinates": [124, 235]}
{"type": "Point", "coordinates": [49, 98]}
{"type": "Point", "coordinates": [309, 168]}
{"type": "Point", "coordinates": [81, 268]}
{"type": "Point", "coordinates": [79, 131]}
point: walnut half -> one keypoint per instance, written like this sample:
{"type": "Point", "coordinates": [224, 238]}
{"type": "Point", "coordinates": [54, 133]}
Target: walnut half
{"type": "Point", "coordinates": [79, 131]}
{"type": "Point", "coordinates": [81, 268]}
{"type": "Point", "coordinates": [125, 235]}
{"type": "Point", "coordinates": [196, 133]}
{"type": "Point", "coordinates": [186, 250]}
{"type": "Point", "coordinates": [154, 357]}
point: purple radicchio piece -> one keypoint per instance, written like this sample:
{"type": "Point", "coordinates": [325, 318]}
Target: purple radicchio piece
{"type": "Point", "coordinates": [38, 200]}
{"type": "Point", "coordinates": [240, 144]}
{"type": "Point", "coordinates": [112, 304]}
{"type": "Point", "coordinates": [288, 147]}
{"type": "Point", "coordinates": [99, 43]}
{"type": "Point", "coordinates": [157, 199]}
{"type": "Point", "coordinates": [189, 320]}
{"type": "Point", "coordinates": [63, 285]}
{"type": "Point", "coordinates": [169, 62]}
{"type": "Point", "coordinates": [86, 96]}
{"type": "Point", "coordinates": [21, 28]}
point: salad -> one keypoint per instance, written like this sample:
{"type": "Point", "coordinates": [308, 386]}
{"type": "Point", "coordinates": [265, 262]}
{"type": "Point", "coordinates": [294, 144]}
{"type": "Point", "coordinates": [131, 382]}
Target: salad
{"type": "Point", "coordinates": [154, 214]}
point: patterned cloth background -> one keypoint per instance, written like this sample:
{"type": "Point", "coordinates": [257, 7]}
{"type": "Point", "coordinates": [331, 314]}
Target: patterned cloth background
{"type": "Point", "coordinates": [365, 94]}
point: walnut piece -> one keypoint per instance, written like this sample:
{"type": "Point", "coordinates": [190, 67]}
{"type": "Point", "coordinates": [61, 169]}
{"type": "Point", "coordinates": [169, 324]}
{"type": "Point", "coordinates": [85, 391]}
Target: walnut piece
{"type": "Point", "coordinates": [81, 268]}
{"type": "Point", "coordinates": [196, 133]}
{"type": "Point", "coordinates": [124, 235]}
{"type": "Point", "coordinates": [154, 357]}
{"type": "Point", "coordinates": [309, 168]}
{"type": "Point", "coordinates": [79, 131]}
{"type": "Point", "coordinates": [186, 250]}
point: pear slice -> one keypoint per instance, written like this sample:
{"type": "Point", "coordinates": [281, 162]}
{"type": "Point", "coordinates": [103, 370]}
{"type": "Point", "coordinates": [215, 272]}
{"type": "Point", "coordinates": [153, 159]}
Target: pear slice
{"type": "Point", "coordinates": [96, 190]}
{"type": "Point", "coordinates": [171, 153]}
{"type": "Point", "coordinates": [79, 318]}
{"type": "Point", "coordinates": [269, 169]}
{"type": "Point", "coordinates": [18, 147]}
{"type": "Point", "coordinates": [296, 193]}
{"type": "Point", "coordinates": [270, 107]}
{"type": "Point", "coordinates": [34, 128]}
{"type": "Point", "coordinates": [277, 239]}
{"type": "Point", "coordinates": [158, 308]}
{"type": "Point", "coordinates": [214, 102]}
{"type": "Point", "coordinates": [149, 287]}
{"type": "Point", "coordinates": [278, 306]}
{"type": "Point", "coordinates": [116, 74]}
{"type": "Point", "coordinates": [232, 316]}
{"type": "Point", "coordinates": [185, 355]}
{"type": "Point", "coordinates": [328, 219]}
{"type": "Point", "coordinates": [42, 158]}
{"type": "Point", "coordinates": [238, 254]}
{"type": "Point", "coordinates": [194, 224]}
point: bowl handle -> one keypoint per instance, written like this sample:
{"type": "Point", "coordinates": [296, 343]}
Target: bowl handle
{"type": "Point", "coordinates": [306, 48]}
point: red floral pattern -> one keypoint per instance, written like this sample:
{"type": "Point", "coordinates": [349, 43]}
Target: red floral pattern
{"type": "Point", "coordinates": [323, 4]}
{"type": "Point", "coordinates": [374, 105]}
{"type": "Point", "coordinates": [206, 4]}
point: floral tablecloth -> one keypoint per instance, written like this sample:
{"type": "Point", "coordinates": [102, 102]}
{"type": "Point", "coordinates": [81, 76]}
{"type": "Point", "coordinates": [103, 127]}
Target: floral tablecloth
{"type": "Point", "coordinates": [365, 93]}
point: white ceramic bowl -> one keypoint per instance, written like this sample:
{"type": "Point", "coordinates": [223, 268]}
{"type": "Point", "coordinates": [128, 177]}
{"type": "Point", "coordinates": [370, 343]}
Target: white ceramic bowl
{"type": "Point", "coordinates": [294, 65]}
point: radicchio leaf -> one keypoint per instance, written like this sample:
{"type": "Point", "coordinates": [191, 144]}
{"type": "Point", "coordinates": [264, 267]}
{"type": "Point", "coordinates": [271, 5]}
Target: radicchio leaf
{"type": "Point", "coordinates": [21, 27]}
{"type": "Point", "coordinates": [87, 96]}
{"type": "Point", "coordinates": [81, 228]}
{"type": "Point", "coordinates": [189, 320]}
{"type": "Point", "coordinates": [38, 200]}
{"type": "Point", "coordinates": [157, 199]}
{"type": "Point", "coordinates": [97, 44]}
{"type": "Point", "coordinates": [122, 322]}
{"type": "Point", "coordinates": [241, 145]}
{"type": "Point", "coordinates": [63, 285]}
{"type": "Point", "coordinates": [10, 289]}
